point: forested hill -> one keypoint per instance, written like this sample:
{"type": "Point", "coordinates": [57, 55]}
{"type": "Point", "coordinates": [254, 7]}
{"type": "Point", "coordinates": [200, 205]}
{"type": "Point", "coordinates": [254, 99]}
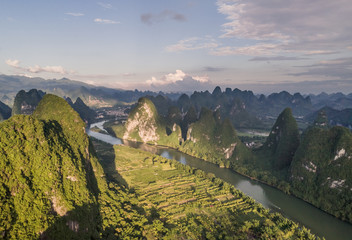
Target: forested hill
{"type": "Point", "coordinates": [321, 170]}
{"type": "Point", "coordinates": [208, 136]}
{"type": "Point", "coordinates": [5, 111]}
{"type": "Point", "coordinates": [243, 108]}
{"type": "Point", "coordinates": [283, 140]}
{"type": "Point", "coordinates": [26, 102]}
{"type": "Point", "coordinates": [48, 188]}
{"type": "Point", "coordinates": [51, 183]}
{"type": "Point", "coordinates": [87, 114]}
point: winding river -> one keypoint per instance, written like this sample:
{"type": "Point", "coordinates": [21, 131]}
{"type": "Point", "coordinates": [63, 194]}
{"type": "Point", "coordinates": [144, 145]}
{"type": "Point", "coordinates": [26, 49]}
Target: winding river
{"type": "Point", "coordinates": [319, 222]}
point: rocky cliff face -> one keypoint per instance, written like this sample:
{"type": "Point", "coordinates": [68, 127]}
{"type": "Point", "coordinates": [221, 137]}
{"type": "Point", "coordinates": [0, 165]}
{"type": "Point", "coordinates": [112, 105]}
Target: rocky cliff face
{"type": "Point", "coordinates": [142, 123]}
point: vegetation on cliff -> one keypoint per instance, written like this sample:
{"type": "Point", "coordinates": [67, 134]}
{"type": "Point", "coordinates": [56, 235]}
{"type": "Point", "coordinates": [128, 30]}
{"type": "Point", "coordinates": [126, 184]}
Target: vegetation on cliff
{"type": "Point", "coordinates": [208, 137]}
{"type": "Point", "coordinates": [283, 140]}
{"type": "Point", "coordinates": [48, 188]}
{"type": "Point", "coordinates": [321, 171]}
{"type": "Point", "coordinates": [5, 111]}
{"type": "Point", "coordinates": [26, 102]}
{"type": "Point", "coordinates": [52, 185]}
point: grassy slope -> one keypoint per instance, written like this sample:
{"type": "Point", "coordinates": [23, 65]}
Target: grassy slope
{"type": "Point", "coordinates": [185, 203]}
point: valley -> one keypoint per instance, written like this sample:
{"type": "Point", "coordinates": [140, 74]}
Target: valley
{"type": "Point", "coordinates": [176, 120]}
{"type": "Point", "coordinates": [271, 198]}
{"type": "Point", "coordinates": [200, 141]}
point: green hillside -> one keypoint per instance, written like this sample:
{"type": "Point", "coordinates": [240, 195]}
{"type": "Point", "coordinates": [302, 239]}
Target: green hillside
{"type": "Point", "coordinates": [283, 140]}
{"type": "Point", "coordinates": [87, 114]}
{"type": "Point", "coordinates": [26, 102]}
{"type": "Point", "coordinates": [46, 188]}
{"type": "Point", "coordinates": [321, 171]}
{"type": "Point", "coordinates": [144, 124]}
{"type": "Point", "coordinates": [51, 184]}
{"type": "Point", "coordinates": [208, 137]}
{"type": "Point", "coordinates": [5, 111]}
{"type": "Point", "coordinates": [214, 140]}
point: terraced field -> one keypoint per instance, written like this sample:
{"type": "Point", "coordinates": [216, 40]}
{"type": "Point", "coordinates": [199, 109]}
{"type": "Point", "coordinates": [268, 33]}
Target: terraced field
{"type": "Point", "coordinates": [193, 204]}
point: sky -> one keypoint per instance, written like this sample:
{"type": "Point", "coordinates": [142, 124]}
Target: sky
{"type": "Point", "coordinates": [184, 45]}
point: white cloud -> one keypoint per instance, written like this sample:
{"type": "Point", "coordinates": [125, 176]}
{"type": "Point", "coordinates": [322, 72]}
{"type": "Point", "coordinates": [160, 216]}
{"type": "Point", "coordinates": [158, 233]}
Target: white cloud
{"type": "Point", "coordinates": [179, 81]}
{"type": "Point", "coordinates": [37, 68]}
{"type": "Point", "coordinates": [295, 26]}
{"type": "Point", "coordinates": [75, 14]}
{"type": "Point", "coordinates": [49, 69]}
{"type": "Point", "coordinates": [105, 21]}
{"type": "Point", "coordinates": [194, 43]}
{"type": "Point", "coordinates": [202, 79]}
{"type": "Point", "coordinates": [13, 63]}
{"type": "Point", "coordinates": [168, 78]}
{"type": "Point", "coordinates": [259, 49]}
{"type": "Point", "coordinates": [105, 5]}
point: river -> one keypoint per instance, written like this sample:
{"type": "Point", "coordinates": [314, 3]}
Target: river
{"type": "Point", "coordinates": [318, 221]}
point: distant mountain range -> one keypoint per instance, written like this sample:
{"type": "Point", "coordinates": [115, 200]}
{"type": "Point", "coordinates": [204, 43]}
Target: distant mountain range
{"type": "Point", "coordinates": [242, 107]}
{"type": "Point", "coordinates": [337, 101]}
{"type": "Point", "coordinates": [93, 96]}
{"type": "Point", "coordinates": [333, 117]}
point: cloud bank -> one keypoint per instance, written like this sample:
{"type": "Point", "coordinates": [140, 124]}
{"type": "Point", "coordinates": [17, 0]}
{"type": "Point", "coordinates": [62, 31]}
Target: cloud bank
{"type": "Point", "coordinates": [291, 26]}
{"type": "Point", "coordinates": [271, 27]}
{"type": "Point", "coordinates": [179, 82]}
{"type": "Point", "coordinates": [37, 68]}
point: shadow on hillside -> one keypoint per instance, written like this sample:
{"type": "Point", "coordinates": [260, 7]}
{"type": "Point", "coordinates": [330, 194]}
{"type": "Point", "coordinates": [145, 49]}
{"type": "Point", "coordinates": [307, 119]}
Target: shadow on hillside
{"type": "Point", "coordinates": [84, 222]}
{"type": "Point", "coordinates": [106, 155]}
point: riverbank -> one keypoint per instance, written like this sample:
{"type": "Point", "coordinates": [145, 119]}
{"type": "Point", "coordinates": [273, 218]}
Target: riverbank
{"type": "Point", "coordinates": [272, 198]}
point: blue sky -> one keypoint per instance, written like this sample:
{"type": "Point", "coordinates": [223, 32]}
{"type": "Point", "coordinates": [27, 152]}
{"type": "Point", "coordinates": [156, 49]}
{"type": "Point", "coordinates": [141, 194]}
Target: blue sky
{"type": "Point", "coordinates": [181, 45]}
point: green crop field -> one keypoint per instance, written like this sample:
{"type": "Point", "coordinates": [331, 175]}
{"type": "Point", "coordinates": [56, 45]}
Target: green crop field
{"type": "Point", "coordinates": [186, 203]}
